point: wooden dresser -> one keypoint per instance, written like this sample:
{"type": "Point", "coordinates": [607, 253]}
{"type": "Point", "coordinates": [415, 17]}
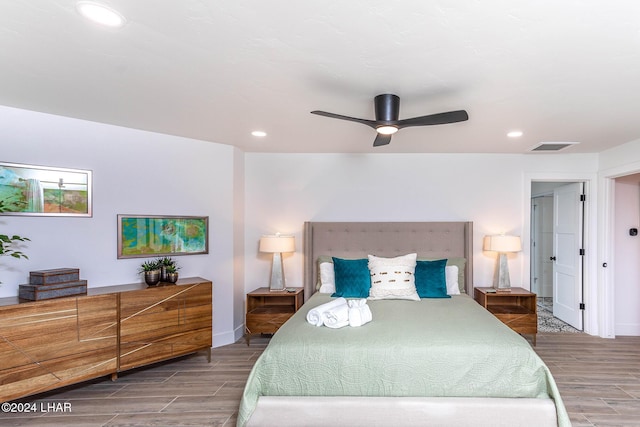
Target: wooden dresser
{"type": "Point", "coordinates": [53, 343]}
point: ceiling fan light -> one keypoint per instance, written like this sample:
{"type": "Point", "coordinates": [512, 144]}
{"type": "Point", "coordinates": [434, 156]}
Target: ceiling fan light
{"type": "Point", "coordinates": [386, 130]}
{"type": "Point", "coordinates": [100, 14]}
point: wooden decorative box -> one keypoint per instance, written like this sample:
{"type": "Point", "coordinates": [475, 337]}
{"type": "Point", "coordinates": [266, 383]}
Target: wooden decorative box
{"type": "Point", "coordinates": [57, 290]}
{"type": "Point", "coordinates": [53, 276]}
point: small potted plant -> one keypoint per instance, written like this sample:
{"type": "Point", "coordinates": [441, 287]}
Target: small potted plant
{"type": "Point", "coordinates": [163, 263]}
{"type": "Point", "coordinates": [172, 273]}
{"type": "Point", "coordinates": [151, 271]}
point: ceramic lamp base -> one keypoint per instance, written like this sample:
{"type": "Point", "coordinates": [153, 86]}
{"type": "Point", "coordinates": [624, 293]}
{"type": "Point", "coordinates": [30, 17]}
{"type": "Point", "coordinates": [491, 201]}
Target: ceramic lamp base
{"type": "Point", "coordinates": [277, 283]}
{"type": "Point", "coordinates": [501, 281]}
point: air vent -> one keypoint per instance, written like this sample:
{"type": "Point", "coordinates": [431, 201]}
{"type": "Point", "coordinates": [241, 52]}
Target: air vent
{"type": "Point", "coordinates": [552, 146]}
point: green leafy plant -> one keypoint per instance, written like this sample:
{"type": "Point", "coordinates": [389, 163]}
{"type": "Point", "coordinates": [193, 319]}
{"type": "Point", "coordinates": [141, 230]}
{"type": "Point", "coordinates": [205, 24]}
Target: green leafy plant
{"type": "Point", "coordinates": [6, 241]}
{"type": "Point", "coordinates": [149, 266]}
{"type": "Point", "coordinates": [166, 261]}
{"type": "Point", "coordinates": [173, 268]}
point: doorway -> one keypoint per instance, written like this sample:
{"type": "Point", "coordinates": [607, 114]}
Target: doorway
{"type": "Point", "coordinates": [626, 252]}
{"type": "Point", "coordinates": [557, 254]}
{"type": "Point", "coordinates": [616, 305]}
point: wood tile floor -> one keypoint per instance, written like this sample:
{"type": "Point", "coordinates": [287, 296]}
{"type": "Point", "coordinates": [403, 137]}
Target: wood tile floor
{"type": "Point", "coordinates": [184, 392]}
{"type": "Point", "coordinates": [599, 381]}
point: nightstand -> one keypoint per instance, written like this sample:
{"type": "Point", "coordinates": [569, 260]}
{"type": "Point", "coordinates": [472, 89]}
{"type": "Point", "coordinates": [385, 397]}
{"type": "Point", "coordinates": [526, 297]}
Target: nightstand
{"type": "Point", "coordinates": [268, 310]}
{"type": "Point", "coordinates": [517, 309]}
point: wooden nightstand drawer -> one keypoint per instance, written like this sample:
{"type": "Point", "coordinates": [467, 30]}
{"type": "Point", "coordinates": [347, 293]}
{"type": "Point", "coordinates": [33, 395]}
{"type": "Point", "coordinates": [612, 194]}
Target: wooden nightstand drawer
{"type": "Point", "coordinates": [521, 323]}
{"type": "Point", "coordinates": [267, 310]}
{"type": "Point", "coordinates": [266, 320]}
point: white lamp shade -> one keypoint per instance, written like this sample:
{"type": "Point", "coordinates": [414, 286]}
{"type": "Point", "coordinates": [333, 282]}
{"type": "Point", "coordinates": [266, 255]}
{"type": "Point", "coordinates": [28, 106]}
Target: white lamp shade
{"type": "Point", "coordinates": [277, 244]}
{"type": "Point", "coordinates": [502, 243]}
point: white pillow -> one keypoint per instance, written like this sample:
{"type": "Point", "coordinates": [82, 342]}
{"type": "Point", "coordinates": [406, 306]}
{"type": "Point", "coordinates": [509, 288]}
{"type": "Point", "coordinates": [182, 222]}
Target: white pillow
{"type": "Point", "coordinates": [393, 278]}
{"type": "Point", "coordinates": [327, 278]}
{"type": "Point", "coordinates": [451, 278]}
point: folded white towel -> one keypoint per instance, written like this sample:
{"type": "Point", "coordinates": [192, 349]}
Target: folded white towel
{"type": "Point", "coordinates": [359, 312]}
{"type": "Point", "coordinates": [336, 317]}
{"type": "Point", "coordinates": [314, 316]}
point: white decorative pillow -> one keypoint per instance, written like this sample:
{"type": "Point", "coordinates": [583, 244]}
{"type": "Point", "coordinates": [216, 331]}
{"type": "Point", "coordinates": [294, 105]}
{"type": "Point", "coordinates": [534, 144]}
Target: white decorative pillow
{"type": "Point", "coordinates": [393, 278]}
{"type": "Point", "coordinates": [451, 278]}
{"type": "Point", "coordinates": [327, 278]}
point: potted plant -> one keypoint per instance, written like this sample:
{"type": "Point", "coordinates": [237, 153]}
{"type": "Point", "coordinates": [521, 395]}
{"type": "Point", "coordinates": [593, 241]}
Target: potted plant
{"type": "Point", "coordinates": [151, 271]}
{"type": "Point", "coordinates": [164, 263]}
{"type": "Point", "coordinates": [172, 273]}
{"type": "Point", "coordinates": [6, 241]}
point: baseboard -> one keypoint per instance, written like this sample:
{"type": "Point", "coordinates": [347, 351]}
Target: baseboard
{"type": "Point", "coordinates": [225, 338]}
{"type": "Point", "coordinates": [627, 329]}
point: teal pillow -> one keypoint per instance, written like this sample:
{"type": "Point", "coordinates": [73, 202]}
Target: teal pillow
{"type": "Point", "coordinates": [352, 278]}
{"type": "Point", "coordinates": [430, 279]}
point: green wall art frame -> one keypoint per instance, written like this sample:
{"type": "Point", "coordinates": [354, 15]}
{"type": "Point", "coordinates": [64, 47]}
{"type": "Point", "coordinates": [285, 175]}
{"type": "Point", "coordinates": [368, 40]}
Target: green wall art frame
{"type": "Point", "coordinates": [45, 191]}
{"type": "Point", "coordinates": [156, 235]}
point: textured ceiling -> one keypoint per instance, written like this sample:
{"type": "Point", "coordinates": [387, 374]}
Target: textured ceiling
{"type": "Point", "coordinates": [216, 70]}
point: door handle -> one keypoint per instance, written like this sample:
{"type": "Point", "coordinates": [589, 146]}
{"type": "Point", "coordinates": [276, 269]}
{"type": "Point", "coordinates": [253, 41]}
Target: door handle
{"type": "Point", "coordinates": [552, 258]}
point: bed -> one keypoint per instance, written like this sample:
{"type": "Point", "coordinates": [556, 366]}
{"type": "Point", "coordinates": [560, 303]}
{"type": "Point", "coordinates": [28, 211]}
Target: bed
{"type": "Point", "coordinates": [435, 361]}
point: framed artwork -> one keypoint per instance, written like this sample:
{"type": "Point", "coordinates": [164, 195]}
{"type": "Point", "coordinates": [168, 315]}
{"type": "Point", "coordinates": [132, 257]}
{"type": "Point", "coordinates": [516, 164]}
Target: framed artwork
{"type": "Point", "coordinates": [44, 191]}
{"type": "Point", "coordinates": [156, 235]}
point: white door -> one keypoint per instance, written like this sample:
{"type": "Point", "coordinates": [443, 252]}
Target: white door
{"type": "Point", "coordinates": [567, 243]}
{"type": "Point", "coordinates": [542, 246]}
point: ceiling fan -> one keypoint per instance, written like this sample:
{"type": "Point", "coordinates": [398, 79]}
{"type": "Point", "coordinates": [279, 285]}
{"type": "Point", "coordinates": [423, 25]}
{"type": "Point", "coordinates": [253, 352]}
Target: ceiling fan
{"type": "Point", "coordinates": [387, 108]}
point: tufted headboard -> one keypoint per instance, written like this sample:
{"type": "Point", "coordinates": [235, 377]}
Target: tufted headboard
{"type": "Point", "coordinates": [430, 240]}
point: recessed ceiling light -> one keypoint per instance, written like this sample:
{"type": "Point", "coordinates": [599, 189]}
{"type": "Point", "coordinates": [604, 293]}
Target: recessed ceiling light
{"type": "Point", "coordinates": [515, 134]}
{"type": "Point", "coordinates": [258, 133]}
{"type": "Point", "coordinates": [100, 14]}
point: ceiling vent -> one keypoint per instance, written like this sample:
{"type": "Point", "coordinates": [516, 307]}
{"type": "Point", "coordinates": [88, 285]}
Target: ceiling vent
{"type": "Point", "coordinates": [545, 147]}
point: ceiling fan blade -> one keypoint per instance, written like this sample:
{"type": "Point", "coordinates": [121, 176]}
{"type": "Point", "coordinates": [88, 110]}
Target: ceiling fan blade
{"type": "Point", "coordinates": [370, 123]}
{"type": "Point", "coordinates": [381, 140]}
{"type": "Point", "coordinates": [435, 119]}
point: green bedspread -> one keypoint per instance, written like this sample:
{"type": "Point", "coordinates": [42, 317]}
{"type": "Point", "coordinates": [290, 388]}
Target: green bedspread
{"type": "Point", "coordinates": [434, 347]}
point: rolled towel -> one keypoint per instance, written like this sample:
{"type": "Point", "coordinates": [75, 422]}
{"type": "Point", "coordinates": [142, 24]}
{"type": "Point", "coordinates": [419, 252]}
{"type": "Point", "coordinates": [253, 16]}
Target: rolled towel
{"type": "Point", "coordinates": [359, 312]}
{"type": "Point", "coordinates": [336, 317]}
{"type": "Point", "coordinates": [314, 316]}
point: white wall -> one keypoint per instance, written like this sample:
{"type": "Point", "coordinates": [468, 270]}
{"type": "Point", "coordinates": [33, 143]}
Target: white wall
{"type": "Point", "coordinates": [134, 172]}
{"type": "Point", "coordinates": [627, 256]}
{"type": "Point", "coordinates": [623, 157]}
{"type": "Point", "coordinates": [285, 190]}
{"type": "Point", "coordinates": [238, 245]}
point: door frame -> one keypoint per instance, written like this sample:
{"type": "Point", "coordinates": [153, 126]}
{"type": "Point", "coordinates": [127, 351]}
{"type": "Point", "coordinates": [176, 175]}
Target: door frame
{"type": "Point", "coordinates": [606, 224]}
{"type": "Point", "coordinates": [590, 272]}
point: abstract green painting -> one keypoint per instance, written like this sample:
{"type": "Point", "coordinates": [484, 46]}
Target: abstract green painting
{"type": "Point", "coordinates": [155, 235]}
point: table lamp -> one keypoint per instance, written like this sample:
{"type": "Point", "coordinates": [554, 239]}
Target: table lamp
{"type": "Point", "coordinates": [277, 244]}
{"type": "Point", "coordinates": [502, 244]}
